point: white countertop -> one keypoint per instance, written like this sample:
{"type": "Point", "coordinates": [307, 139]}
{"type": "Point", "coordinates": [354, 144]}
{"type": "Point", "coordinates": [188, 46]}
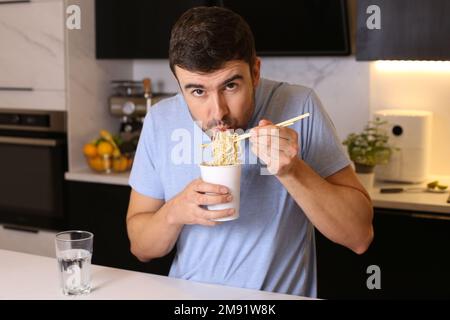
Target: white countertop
{"type": "Point", "coordinates": [417, 201]}
{"type": "Point", "coordinates": [412, 200]}
{"type": "Point", "coordinates": [24, 276]}
{"type": "Point", "coordinates": [88, 175]}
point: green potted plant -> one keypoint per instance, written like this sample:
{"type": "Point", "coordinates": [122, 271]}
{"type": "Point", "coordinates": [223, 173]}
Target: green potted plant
{"type": "Point", "coordinates": [368, 149]}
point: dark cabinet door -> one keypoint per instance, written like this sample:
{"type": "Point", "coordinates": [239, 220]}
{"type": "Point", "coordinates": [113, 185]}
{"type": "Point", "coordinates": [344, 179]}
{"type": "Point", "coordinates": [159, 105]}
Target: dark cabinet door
{"type": "Point", "coordinates": [101, 209]}
{"type": "Point", "coordinates": [408, 30]}
{"type": "Point", "coordinates": [140, 29]}
{"type": "Point", "coordinates": [411, 250]}
{"type": "Point", "coordinates": [137, 29]}
{"type": "Point", "coordinates": [296, 28]}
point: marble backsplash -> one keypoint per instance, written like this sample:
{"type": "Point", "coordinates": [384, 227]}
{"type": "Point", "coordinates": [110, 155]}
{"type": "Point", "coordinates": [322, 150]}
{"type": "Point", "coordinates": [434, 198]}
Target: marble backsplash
{"type": "Point", "coordinates": [341, 83]}
{"type": "Point", "coordinates": [88, 84]}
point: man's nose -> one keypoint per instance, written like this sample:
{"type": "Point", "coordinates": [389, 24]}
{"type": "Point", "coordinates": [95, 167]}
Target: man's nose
{"type": "Point", "coordinates": [220, 107]}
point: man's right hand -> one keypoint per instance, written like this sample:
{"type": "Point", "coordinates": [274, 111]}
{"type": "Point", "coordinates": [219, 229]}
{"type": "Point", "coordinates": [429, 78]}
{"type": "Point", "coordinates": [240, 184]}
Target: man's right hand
{"type": "Point", "coordinates": [185, 207]}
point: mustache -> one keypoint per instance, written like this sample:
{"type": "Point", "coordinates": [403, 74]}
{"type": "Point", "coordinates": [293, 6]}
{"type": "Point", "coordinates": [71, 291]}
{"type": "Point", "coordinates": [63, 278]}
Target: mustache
{"type": "Point", "coordinates": [225, 122]}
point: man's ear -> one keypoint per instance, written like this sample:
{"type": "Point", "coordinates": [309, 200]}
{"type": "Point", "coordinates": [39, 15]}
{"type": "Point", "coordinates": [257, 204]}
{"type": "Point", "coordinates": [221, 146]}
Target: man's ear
{"type": "Point", "coordinates": [256, 71]}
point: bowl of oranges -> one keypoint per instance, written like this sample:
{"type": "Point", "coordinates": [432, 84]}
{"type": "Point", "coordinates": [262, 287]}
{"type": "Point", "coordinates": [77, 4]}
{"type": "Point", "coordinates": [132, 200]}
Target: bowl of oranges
{"type": "Point", "coordinates": [105, 155]}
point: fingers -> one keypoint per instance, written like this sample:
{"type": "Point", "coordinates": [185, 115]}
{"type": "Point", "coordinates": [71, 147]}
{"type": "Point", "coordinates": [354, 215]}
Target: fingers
{"type": "Point", "coordinates": [187, 206]}
{"type": "Point", "coordinates": [276, 147]}
{"type": "Point", "coordinates": [264, 122]}
{"type": "Point", "coordinates": [268, 130]}
{"type": "Point", "coordinates": [207, 217]}
{"type": "Point", "coordinates": [209, 199]}
{"type": "Point", "coordinates": [274, 132]}
{"type": "Point", "coordinates": [282, 138]}
{"type": "Point", "coordinates": [201, 186]}
{"type": "Point", "coordinates": [273, 146]}
{"type": "Point", "coordinates": [208, 223]}
{"type": "Point", "coordinates": [204, 214]}
{"type": "Point", "coordinates": [204, 193]}
{"type": "Point", "coordinates": [273, 143]}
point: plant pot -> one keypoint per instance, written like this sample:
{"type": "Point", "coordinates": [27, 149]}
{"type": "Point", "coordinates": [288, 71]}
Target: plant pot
{"type": "Point", "coordinates": [366, 175]}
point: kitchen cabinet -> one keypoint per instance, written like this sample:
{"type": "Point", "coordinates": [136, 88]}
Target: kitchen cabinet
{"type": "Point", "coordinates": [101, 209]}
{"type": "Point", "coordinates": [403, 30]}
{"type": "Point", "coordinates": [137, 29]}
{"type": "Point", "coordinates": [28, 240]}
{"type": "Point", "coordinates": [321, 25]}
{"type": "Point", "coordinates": [411, 250]}
{"type": "Point", "coordinates": [32, 55]}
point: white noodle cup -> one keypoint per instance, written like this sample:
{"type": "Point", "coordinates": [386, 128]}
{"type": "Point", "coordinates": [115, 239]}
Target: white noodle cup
{"type": "Point", "coordinates": [228, 176]}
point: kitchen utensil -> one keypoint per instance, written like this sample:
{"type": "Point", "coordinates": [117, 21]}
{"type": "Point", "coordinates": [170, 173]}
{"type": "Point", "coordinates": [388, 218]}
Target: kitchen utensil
{"type": "Point", "coordinates": [416, 189]}
{"type": "Point", "coordinates": [398, 190]}
{"type": "Point", "coordinates": [286, 123]}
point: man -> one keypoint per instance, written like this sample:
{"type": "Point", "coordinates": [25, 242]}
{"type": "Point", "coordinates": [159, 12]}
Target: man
{"type": "Point", "coordinates": [271, 246]}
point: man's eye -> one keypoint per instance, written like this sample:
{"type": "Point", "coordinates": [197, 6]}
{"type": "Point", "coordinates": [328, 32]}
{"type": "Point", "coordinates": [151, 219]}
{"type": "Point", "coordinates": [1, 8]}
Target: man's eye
{"type": "Point", "coordinates": [231, 86]}
{"type": "Point", "coordinates": [198, 92]}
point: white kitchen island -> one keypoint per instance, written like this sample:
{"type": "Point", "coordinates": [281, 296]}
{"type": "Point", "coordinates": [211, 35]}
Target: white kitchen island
{"type": "Point", "coordinates": [25, 277]}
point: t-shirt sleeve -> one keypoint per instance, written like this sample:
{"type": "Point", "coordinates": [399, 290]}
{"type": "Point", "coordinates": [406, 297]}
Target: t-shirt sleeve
{"type": "Point", "coordinates": [144, 177]}
{"type": "Point", "coordinates": [321, 147]}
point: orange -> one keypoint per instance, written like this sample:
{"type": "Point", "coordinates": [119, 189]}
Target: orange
{"type": "Point", "coordinates": [124, 164]}
{"type": "Point", "coordinates": [105, 148]}
{"type": "Point", "coordinates": [96, 163]}
{"type": "Point", "coordinates": [116, 153]}
{"type": "Point", "coordinates": [90, 150]}
{"type": "Point", "coordinates": [120, 164]}
{"type": "Point", "coordinates": [116, 164]}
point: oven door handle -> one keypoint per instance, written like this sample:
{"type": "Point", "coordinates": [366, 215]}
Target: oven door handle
{"type": "Point", "coordinates": [13, 1]}
{"type": "Point", "coordinates": [30, 141]}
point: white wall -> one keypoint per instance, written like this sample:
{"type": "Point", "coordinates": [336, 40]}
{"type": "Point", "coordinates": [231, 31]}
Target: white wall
{"type": "Point", "coordinates": [341, 83]}
{"type": "Point", "coordinates": [88, 85]}
{"type": "Point", "coordinates": [421, 85]}
{"type": "Point", "coordinates": [158, 70]}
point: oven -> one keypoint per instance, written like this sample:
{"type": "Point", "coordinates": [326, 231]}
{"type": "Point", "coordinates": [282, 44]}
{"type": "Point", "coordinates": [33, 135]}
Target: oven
{"type": "Point", "coordinates": [33, 160]}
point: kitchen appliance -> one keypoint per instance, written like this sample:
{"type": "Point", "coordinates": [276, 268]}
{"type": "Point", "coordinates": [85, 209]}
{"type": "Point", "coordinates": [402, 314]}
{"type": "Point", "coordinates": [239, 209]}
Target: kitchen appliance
{"type": "Point", "coordinates": [410, 132]}
{"type": "Point", "coordinates": [33, 149]}
{"type": "Point", "coordinates": [130, 102]}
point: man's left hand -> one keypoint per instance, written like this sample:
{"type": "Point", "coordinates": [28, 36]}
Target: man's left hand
{"type": "Point", "coordinates": [277, 146]}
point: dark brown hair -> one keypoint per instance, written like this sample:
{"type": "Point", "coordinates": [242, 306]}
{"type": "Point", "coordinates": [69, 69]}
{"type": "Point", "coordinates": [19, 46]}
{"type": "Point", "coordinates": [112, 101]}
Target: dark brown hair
{"type": "Point", "coordinates": [205, 38]}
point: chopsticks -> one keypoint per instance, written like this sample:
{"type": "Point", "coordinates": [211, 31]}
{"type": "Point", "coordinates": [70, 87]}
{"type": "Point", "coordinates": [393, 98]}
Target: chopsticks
{"type": "Point", "coordinates": [286, 123]}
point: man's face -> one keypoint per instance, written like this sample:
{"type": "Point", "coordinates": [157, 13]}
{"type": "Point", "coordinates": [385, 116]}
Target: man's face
{"type": "Point", "coordinates": [222, 99]}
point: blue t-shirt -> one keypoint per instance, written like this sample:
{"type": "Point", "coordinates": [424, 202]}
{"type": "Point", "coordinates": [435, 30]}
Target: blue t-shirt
{"type": "Point", "coordinates": [271, 246]}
